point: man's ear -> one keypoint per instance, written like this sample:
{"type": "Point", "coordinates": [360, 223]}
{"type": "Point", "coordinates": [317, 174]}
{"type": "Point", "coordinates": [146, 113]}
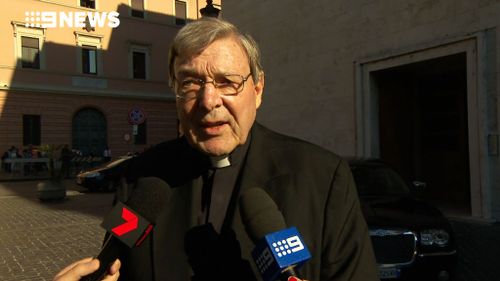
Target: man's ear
{"type": "Point", "coordinates": [259, 90]}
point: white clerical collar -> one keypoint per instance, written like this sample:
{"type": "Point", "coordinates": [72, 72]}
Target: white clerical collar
{"type": "Point", "coordinates": [220, 161]}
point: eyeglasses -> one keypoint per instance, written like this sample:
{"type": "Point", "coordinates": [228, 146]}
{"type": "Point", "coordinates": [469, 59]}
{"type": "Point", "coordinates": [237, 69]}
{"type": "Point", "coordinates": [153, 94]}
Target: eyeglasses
{"type": "Point", "coordinates": [226, 85]}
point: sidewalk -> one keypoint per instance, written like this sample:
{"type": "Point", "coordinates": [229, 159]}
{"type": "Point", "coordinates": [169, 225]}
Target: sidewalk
{"type": "Point", "coordinates": [38, 239]}
{"type": "Point", "coordinates": [478, 248]}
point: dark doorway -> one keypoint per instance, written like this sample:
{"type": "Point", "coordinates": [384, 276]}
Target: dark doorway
{"type": "Point", "coordinates": [423, 127]}
{"type": "Point", "coordinates": [89, 132]}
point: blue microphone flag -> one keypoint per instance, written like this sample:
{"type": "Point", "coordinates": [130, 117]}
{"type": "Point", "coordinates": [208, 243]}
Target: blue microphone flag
{"type": "Point", "coordinates": [278, 251]}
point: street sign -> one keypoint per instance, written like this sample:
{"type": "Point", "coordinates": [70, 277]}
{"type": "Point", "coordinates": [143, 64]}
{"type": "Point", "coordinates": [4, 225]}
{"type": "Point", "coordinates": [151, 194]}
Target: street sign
{"type": "Point", "coordinates": [136, 116]}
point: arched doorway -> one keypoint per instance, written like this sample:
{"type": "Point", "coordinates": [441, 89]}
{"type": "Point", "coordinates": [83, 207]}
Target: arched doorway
{"type": "Point", "coordinates": [89, 131]}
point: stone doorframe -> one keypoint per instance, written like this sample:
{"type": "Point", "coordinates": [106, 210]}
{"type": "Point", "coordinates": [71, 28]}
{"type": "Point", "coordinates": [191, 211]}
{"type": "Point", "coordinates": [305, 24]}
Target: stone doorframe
{"type": "Point", "coordinates": [367, 130]}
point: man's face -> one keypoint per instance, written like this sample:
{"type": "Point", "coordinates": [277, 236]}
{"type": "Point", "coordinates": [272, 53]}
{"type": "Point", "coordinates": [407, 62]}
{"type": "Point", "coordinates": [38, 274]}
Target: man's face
{"type": "Point", "coordinates": [212, 123]}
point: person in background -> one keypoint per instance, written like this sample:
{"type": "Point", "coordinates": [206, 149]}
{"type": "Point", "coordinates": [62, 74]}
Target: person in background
{"type": "Point", "coordinates": [107, 154]}
{"type": "Point", "coordinates": [5, 166]}
{"type": "Point", "coordinates": [12, 153]}
{"type": "Point", "coordinates": [28, 166]}
{"type": "Point", "coordinates": [66, 156]}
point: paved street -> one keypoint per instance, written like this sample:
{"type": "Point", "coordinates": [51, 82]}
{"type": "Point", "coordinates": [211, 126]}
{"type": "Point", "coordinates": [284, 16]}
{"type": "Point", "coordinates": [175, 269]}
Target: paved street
{"type": "Point", "coordinates": [478, 248]}
{"type": "Point", "coordinates": [38, 239]}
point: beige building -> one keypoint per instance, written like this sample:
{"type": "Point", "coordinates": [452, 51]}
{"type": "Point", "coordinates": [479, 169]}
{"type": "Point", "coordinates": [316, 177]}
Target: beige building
{"type": "Point", "coordinates": [75, 72]}
{"type": "Point", "coordinates": [413, 82]}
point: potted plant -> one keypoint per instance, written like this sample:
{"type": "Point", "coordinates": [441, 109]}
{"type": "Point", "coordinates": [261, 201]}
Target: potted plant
{"type": "Point", "coordinates": [52, 188]}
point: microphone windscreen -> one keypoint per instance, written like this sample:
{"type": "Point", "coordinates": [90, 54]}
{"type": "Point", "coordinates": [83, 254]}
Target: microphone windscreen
{"type": "Point", "coordinates": [131, 223]}
{"type": "Point", "coordinates": [149, 196]}
{"type": "Point", "coordinates": [260, 214]}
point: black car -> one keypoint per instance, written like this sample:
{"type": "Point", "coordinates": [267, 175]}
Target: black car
{"type": "Point", "coordinates": [412, 239]}
{"type": "Point", "coordinates": [104, 177]}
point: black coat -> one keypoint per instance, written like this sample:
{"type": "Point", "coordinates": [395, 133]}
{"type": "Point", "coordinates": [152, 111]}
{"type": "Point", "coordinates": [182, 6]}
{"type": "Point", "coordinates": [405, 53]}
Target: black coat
{"type": "Point", "coordinates": [312, 187]}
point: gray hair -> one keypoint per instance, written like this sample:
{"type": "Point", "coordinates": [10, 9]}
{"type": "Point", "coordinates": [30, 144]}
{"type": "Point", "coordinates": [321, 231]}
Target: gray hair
{"type": "Point", "coordinates": [195, 36]}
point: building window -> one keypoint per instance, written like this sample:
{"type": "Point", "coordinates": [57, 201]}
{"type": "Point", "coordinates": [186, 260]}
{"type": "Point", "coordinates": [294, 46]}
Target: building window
{"type": "Point", "coordinates": [87, 4]}
{"type": "Point", "coordinates": [30, 52]}
{"type": "Point", "coordinates": [141, 138]}
{"type": "Point", "coordinates": [139, 61]}
{"type": "Point", "coordinates": [31, 129]}
{"type": "Point", "coordinates": [89, 60]}
{"type": "Point", "coordinates": [89, 56]}
{"type": "Point", "coordinates": [180, 12]}
{"type": "Point", "coordinates": [139, 65]}
{"type": "Point", "coordinates": [29, 46]}
{"type": "Point", "coordinates": [137, 8]}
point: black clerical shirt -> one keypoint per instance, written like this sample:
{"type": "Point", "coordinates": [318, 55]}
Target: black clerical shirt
{"type": "Point", "coordinates": [219, 183]}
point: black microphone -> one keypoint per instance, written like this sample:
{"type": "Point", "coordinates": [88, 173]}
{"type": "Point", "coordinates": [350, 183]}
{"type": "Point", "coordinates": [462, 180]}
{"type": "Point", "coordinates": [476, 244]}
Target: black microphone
{"type": "Point", "coordinates": [279, 250]}
{"type": "Point", "coordinates": [130, 224]}
{"type": "Point", "coordinates": [215, 256]}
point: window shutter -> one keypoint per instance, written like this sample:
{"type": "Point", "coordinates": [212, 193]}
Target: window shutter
{"type": "Point", "coordinates": [29, 42]}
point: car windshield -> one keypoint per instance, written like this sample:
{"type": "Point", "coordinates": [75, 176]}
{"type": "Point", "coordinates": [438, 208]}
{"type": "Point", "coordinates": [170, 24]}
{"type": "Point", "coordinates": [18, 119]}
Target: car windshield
{"type": "Point", "coordinates": [378, 180]}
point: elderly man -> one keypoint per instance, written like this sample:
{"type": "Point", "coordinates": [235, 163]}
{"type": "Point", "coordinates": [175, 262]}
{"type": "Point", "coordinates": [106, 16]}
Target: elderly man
{"type": "Point", "coordinates": [217, 77]}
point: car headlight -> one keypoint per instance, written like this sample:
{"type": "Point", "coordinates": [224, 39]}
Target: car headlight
{"type": "Point", "coordinates": [438, 237]}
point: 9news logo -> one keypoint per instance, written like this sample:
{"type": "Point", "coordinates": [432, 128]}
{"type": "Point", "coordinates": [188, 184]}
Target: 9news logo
{"type": "Point", "coordinates": [264, 261]}
{"type": "Point", "coordinates": [279, 250]}
{"type": "Point", "coordinates": [51, 19]}
{"type": "Point", "coordinates": [288, 246]}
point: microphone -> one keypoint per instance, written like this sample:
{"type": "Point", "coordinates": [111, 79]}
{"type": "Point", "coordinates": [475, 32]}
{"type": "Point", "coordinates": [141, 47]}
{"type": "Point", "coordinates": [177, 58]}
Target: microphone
{"type": "Point", "coordinates": [279, 250]}
{"type": "Point", "coordinates": [130, 224]}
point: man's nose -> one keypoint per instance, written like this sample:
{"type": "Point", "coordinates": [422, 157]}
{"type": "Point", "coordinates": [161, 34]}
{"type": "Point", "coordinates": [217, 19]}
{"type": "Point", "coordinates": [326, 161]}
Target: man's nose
{"type": "Point", "coordinates": [209, 98]}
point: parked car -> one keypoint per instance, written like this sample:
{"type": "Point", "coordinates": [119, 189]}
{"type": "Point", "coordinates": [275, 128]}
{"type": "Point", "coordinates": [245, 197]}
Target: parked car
{"type": "Point", "coordinates": [412, 239]}
{"type": "Point", "coordinates": [104, 177]}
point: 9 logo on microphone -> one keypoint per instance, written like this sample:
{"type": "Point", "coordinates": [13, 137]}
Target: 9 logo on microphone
{"type": "Point", "coordinates": [279, 250]}
{"type": "Point", "coordinates": [288, 246]}
{"type": "Point", "coordinates": [265, 260]}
